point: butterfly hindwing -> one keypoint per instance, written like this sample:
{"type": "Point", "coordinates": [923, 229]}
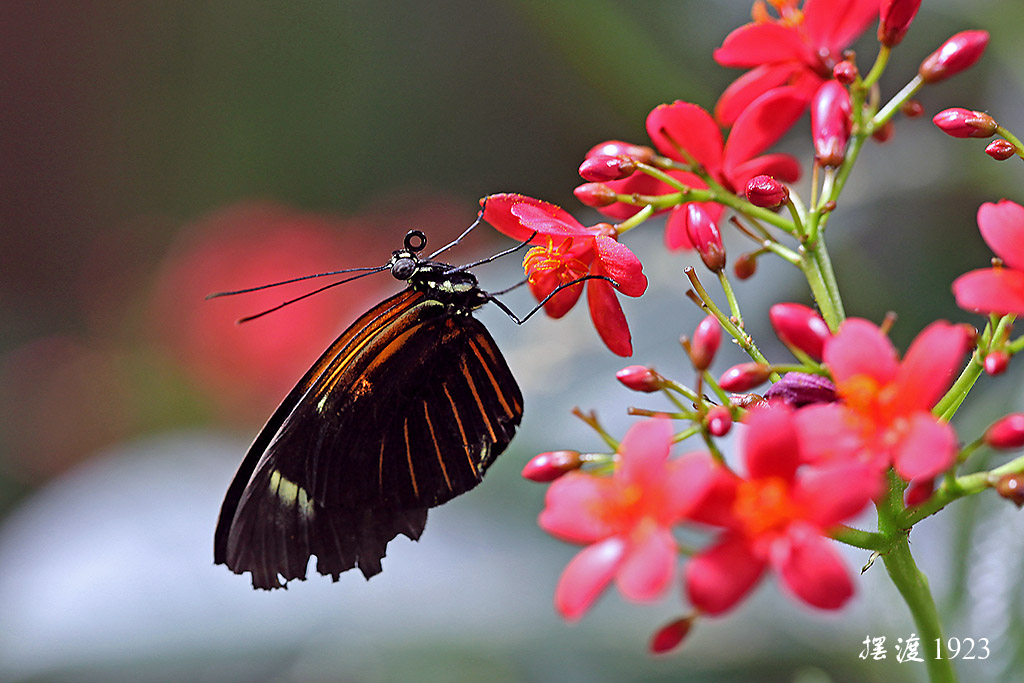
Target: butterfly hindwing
{"type": "Point", "coordinates": [405, 411]}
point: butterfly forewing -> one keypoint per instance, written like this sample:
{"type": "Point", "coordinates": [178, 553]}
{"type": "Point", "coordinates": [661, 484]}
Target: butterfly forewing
{"type": "Point", "coordinates": [406, 410]}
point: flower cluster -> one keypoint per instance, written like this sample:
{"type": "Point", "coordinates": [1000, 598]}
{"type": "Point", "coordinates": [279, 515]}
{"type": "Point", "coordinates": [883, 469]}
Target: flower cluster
{"type": "Point", "coordinates": [847, 423]}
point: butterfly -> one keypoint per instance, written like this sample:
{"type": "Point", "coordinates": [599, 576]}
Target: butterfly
{"type": "Point", "coordinates": [406, 410]}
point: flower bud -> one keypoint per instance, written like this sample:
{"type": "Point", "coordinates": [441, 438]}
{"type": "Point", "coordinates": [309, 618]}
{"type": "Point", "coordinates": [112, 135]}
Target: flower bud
{"type": "Point", "coordinates": [912, 108]}
{"type": "Point", "coordinates": [705, 237]}
{"type": "Point", "coordinates": [800, 327]}
{"type": "Point", "coordinates": [550, 466]}
{"type": "Point", "coordinates": [614, 148]}
{"type": "Point", "coordinates": [718, 421]}
{"type": "Point", "coordinates": [956, 54]}
{"type": "Point", "coordinates": [895, 16]}
{"type": "Point", "coordinates": [640, 378]}
{"type": "Point", "coordinates": [883, 133]}
{"type": "Point", "coordinates": [595, 195]}
{"type": "Point", "coordinates": [830, 123]}
{"type": "Point", "coordinates": [743, 377]}
{"type": "Point", "coordinates": [1000, 150]}
{"type": "Point", "coordinates": [995, 362]}
{"type": "Point", "coordinates": [1006, 432]}
{"type": "Point", "coordinates": [602, 168]}
{"type": "Point", "coordinates": [964, 123]}
{"type": "Point", "coordinates": [745, 266]}
{"type": "Point", "coordinates": [747, 401]}
{"type": "Point", "coordinates": [1011, 487]}
{"type": "Point", "coordinates": [766, 192]}
{"type": "Point", "coordinates": [919, 491]}
{"type": "Point", "coordinates": [669, 636]}
{"type": "Point", "coordinates": [705, 343]}
{"type": "Point", "coordinates": [801, 388]}
{"type": "Point", "coordinates": [845, 72]}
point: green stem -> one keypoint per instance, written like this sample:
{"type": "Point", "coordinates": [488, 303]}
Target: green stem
{"type": "Point", "coordinates": [1018, 148]}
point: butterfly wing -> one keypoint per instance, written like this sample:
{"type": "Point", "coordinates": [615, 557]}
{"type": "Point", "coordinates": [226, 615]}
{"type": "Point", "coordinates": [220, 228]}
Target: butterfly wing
{"type": "Point", "coordinates": [405, 411]}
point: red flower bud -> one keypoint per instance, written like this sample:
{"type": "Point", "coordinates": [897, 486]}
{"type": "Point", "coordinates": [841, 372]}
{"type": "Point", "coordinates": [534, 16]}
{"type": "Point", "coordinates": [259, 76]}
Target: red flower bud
{"type": "Point", "coordinates": [670, 635]}
{"type": "Point", "coordinates": [550, 466]}
{"type": "Point", "coordinates": [964, 123]}
{"type": "Point", "coordinates": [705, 237]}
{"type": "Point", "coordinates": [744, 377]}
{"type": "Point", "coordinates": [745, 266]}
{"type": "Point", "coordinates": [639, 378]}
{"type": "Point", "coordinates": [996, 362]}
{"type": "Point", "coordinates": [801, 389]}
{"type": "Point", "coordinates": [595, 194]}
{"type": "Point", "coordinates": [602, 168]}
{"type": "Point", "coordinates": [614, 148]}
{"type": "Point", "coordinates": [845, 72]}
{"type": "Point", "coordinates": [912, 108]}
{"type": "Point", "coordinates": [953, 56]}
{"type": "Point", "coordinates": [1006, 432]}
{"type": "Point", "coordinates": [896, 16]}
{"type": "Point", "coordinates": [1011, 487]}
{"type": "Point", "coordinates": [1000, 150]}
{"type": "Point", "coordinates": [766, 192]}
{"type": "Point", "coordinates": [800, 327]}
{"type": "Point", "coordinates": [919, 491]}
{"type": "Point", "coordinates": [718, 421]}
{"type": "Point", "coordinates": [830, 123]}
{"type": "Point", "coordinates": [705, 343]}
{"type": "Point", "coordinates": [883, 132]}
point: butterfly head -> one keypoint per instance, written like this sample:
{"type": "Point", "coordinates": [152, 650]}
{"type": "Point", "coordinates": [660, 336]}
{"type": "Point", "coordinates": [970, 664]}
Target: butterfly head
{"type": "Point", "coordinates": [405, 262]}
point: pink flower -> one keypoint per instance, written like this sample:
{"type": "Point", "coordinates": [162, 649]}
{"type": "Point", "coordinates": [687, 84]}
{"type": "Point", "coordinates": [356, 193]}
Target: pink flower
{"type": "Point", "coordinates": [799, 50]}
{"type": "Point", "coordinates": [625, 519]}
{"type": "Point", "coordinates": [997, 290]}
{"type": "Point", "coordinates": [777, 516]}
{"type": "Point", "coordinates": [686, 132]}
{"type": "Point", "coordinates": [884, 415]}
{"type": "Point", "coordinates": [569, 250]}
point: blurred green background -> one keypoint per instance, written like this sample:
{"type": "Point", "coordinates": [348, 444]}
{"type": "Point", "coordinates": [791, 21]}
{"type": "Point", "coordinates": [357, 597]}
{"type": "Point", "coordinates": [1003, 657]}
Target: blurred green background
{"type": "Point", "coordinates": [153, 152]}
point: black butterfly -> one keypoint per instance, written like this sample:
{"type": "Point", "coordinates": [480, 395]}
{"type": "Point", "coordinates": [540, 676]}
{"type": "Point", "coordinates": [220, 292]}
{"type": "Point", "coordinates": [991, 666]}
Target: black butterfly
{"type": "Point", "coordinates": [404, 411]}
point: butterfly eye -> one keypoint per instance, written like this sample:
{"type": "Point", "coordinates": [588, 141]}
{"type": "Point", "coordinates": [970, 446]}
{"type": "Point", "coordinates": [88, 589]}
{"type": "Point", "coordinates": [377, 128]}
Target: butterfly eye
{"type": "Point", "coordinates": [403, 268]}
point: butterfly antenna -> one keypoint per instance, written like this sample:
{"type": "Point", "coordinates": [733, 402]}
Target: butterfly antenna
{"type": "Point", "coordinates": [479, 218]}
{"type": "Point", "coordinates": [509, 289]}
{"type": "Point", "coordinates": [508, 251]}
{"type": "Point", "coordinates": [372, 269]}
{"type": "Point", "coordinates": [308, 294]}
{"type": "Point", "coordinates": [543, 301]}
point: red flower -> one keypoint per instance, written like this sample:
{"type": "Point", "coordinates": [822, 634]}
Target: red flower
{"type": "Point", "coordinates": [884, 415]}
{"type": "Point", "coordinates": [799, 50]}
{"type": "Point", "coordinates": [625, 519]}
{"type": "Point", "coordinates": [686, 132]}
{"type": "Point", "coordinates": [777, 516]}
{"type": "Point", "coordinates": [569, 250]}
{"type": "Point", "coordinates": [997, 290]}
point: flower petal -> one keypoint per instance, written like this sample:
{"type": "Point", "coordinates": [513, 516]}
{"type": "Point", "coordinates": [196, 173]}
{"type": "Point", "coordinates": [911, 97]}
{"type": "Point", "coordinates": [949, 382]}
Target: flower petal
{"type": "Point", "coordinates": [927, 448]}
{"type": "Point", "coordinates": [547, 219]}
{"type": "Point", "coordinates": [676, 234]}
{"type": "Point", "coordinates": [751, 85]}
{"type": "Point", "coordinates": [990, 290]}
{"type": "Point", "coordinates": [609, 320]}
{"type": "Point", "coordinates": [810, 566]}
{"type": "Point", "coordinates": [619, 263]}
{"type": "Point", "coordinates": [718, 577]}
{"type": "Point", "coordinates": [686, 125]}
{"type": "Point", "coordinates": [644, 451]}
{"type": "Point", "coordinates": [574, 505]}
{"type": "Point", "coordinates": [715, 503]}
{"type": "Point", "coordinates": [559, 304]}
{"type": "Point", "coordinates": [771, 447]}
{"type": "Point", "coordinates": [1002, 228]}
{"type": "Point", "coordinates": [860, 348]}
{"type": "Point", "coordinates": [688, 480]}
{"type": "Point", "coordinates": [498, 213]}
{"type": "Point", "coordinates": [832, 494]}
{"type": "Point", "coordinates": [834, 24]}
{"type": "Point", "coordinates": [761, 125]}
{"type": "Point", "coordinates": [779, 166]}
{"type": "Point", "coordinates": [586, 576]}
{"type": "Point", "coordinates": [828, 432]}
{"type": "Point", "coordinates": [647, 569]}
{"type": "Point", "coordinates": [930, 365]}
{"type": "Point", "coordinates": [759, 43]}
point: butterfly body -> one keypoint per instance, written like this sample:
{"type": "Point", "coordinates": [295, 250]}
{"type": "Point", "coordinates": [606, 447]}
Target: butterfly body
{"type": "Point", "coordinates": [404, 411]}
